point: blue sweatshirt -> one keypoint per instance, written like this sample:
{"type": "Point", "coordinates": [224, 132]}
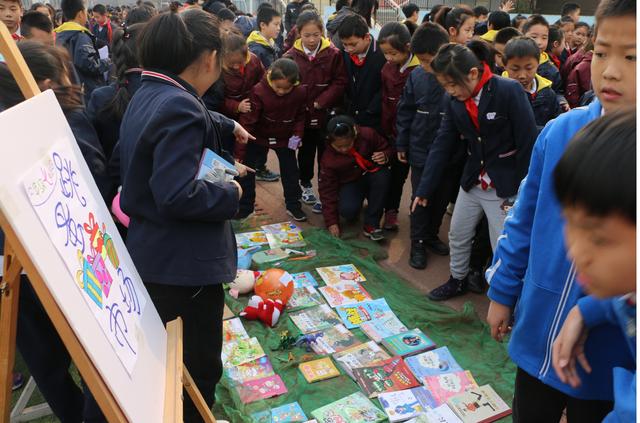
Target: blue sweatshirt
{"type": "Point", "coordinates": [531, 272]}
{"type": "Point", "coordinates": [618, 311]}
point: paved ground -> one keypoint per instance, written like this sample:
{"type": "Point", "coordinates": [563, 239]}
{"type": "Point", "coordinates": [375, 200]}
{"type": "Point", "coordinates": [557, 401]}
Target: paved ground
{"type": "Point", "coordinates": [270, 199]}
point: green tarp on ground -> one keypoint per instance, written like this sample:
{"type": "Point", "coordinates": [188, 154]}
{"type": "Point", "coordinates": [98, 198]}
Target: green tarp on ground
{"type": "Point", "coordinates": [467, 337]}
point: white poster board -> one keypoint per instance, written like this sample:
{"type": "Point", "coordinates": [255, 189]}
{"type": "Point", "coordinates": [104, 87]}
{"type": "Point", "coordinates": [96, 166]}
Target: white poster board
{"type": "Point", "coordinates": [50, 199]}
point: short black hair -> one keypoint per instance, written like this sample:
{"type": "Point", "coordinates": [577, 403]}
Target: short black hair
{"type": "Point", "coordinates": [171, 42]}
{"type": "Point", "coordinates": [140, 14]}
{"type": "Point", "coordinates": [581, 24]}
{"type": "Point", "coordinates": [226, 15]}
{"type": "Point", "coordinates": [597, 170]}
{"type": "Point", "coordinates": [70, 8]}
{"type": "Point", "coordinates": [532, 20]}
{"type": "Point", "coordinates": [353, 26]}
{"type": "Point", "coordinates": [565, 20]}
{"type": "Point", "coordinates": [307, 17]}
{"type": "Point", "coordinates": [285, 68]}
{"type": "Point", "coordinates": [505, 34]}
{"type": "Point", "coordinates": [499, 20]}
{"type": "Point", "coordinates": [341, 126]}
{"type": "Point", "coordinates": [568, 8]}
{"type": "Point", "coordinates": [520, 47]}
{"type": "Point", "coordinates": [517, 19]}
{"type": "Point", "coordinates": [409, 9]}
{"type": "Point", "coordinates": [555, 35]}
{"type": "Point", "coordinates": [615, 8]}
{"type": "Point", "coordinates": [480, 11]}
{"type": "Point", "coordinates": [100, 8]}
{"type": "Point", "coordinates": [37, 20]}
{"type": "Point", "coordinates": [341, 3]}
{"type": "Point", "coordinates": [266, 15]}
{"type": "Point", "coordinates": [396, 35]}
{"type": "Point", "coordinates": [428, 38]}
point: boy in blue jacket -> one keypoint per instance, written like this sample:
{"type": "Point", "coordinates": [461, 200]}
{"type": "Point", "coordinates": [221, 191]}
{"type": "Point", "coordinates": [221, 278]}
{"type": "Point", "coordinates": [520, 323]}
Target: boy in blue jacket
{"type": "Point", "coordinates": [81, 44]}
{"type": "Point", "coordinates": [420, 111]}
{"type": "Point", "coordinates": [261, 42]}
{"type": "Point", "coordinates": [531, 272]}
{"type": "Point", "coordinates": [600, 210]}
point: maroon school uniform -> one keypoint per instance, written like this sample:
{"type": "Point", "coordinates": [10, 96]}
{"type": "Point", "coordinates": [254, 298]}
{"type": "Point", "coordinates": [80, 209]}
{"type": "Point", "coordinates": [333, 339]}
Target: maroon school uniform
{"type": "Point", "coordinates": [274, 119]}
{"type": "Point", "coordinates": [324, 77]}
{"type": "Point", "coordinates": [292, 36]}
{"type": "Point", "coordinates": [339, 169]}
{"type": "Point", "coordinates": [394, 78]}
{"type": "Point", "coordinates": [238, 84]}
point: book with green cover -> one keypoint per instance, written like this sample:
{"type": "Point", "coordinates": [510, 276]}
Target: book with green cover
{"type": "Point", "coordinates": [315, 319]}
{"type": "Point", "coordinates": [241, 351]}
{"type": "Point", "coordinates": [333, 340]}
{"type": "Point", "coordinates": [304, 297]}
{"type": "Point", "coordinates": [356, 408]}
{"type": "Point", "coordinates": [408, 343]}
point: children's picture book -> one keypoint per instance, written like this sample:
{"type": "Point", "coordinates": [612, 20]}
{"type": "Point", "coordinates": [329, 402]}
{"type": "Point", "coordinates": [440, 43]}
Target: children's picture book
{"type": "Point", "coordinates": [214, 168]}
{"type": "Point", "coordinates": [441, 414]}
{"type": "Point", "coordinates": [251, 239]}
{"type": "Point", "coordinates": [320, 369]}
{"type": "Point", "coordinates": [269, 256]}
{"type": "Point", "coordinates": [227, 313]}
{"type": "Point", "coordinates": [404, 405]}
{"type": "Point", "coordinates": [261, 417]}
{"type": "Point", "coordinates": [259, 389]}
{"type": "Point", "coordinates": [387, 376]}
{"type": "Point", "coordinates": [362, 355]}
{"type": "Point", "coordinates": [232, 330]}
{"type": "Point", "coordinates": [241, 351]}
{"type": "Point", "coordinates": [408, 343]}
{"type": "Point", "coordinates": [304, 297]}
{"type": "Point", "coordinates": [256, 369]}
{"type": "Point", "coordinates": [288, 413]}
{"type": "Point", "coordinates": [356, 408]}
{"type": "Point", "coordinates": [449, 385]}
{"type": "Point", "coordinates": [432, 363]}
{"type": "Point", "coordinates": [378, 329]}
{"type": "Point", "coordinates": [315, 319]}
{"type": "Point", "coordinates": [332, 275]}
{"type": "Point", "coordinates": [345, 293]}
{"type": "Point", "coordinates": [356, 314]}
{"type": "Point", "coordinates": [335, 339]}
{"type": "Point", "coordinates": [284, 235]}
{"type": "Point", "coordinates": [303, 279]}
{"type": "Point", "coordinates": [479, 405]}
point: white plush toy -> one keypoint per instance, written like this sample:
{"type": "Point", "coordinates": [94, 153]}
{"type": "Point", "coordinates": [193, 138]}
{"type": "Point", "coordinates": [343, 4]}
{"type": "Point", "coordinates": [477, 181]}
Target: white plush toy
{"type": "Point", "coordinates": [244, 282]}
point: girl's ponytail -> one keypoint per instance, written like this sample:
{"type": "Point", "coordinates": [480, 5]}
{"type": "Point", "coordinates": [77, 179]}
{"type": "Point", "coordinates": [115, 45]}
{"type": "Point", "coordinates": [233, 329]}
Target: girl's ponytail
{"type": "Point", "coordinates": [483, 51]}
{"type": "Point", "coordinates": [455, 60]}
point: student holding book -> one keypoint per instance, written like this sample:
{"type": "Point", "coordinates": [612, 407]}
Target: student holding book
{"type": "Point", "coordinates": [180, 237]}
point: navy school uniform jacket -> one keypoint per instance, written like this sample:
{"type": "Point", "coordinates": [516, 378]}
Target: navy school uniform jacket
{"type": "Point", "coordinates": [180, 233]}
{"type": "Point", "coordinates": [548, 70]}
{"type": "Point", "coordinates": [502, 146]}
{"type": "Point", "coordinates": [292, 13]}
{"type": "Point", "coordinates": [106, 123]}
{"type": "Point", "coordinates": [544, 102]}
{"type": "Point", "coordinates": [261, 47]}
{"type": "Point", "coordinates": [420, 112]}
{"type": "Point", "coordinates": [364, 92]}
{"type": "Point", "coordinates": [324, 79]}
{"type": "Point", "coordinates": [80, 43]}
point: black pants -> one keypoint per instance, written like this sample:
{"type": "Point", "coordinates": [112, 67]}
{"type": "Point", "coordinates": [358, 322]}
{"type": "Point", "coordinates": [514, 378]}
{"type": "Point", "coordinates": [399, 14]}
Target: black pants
{"type": "Point", "coordinates": [426, 221]}
{"type": "Point", "coordinates": [313, 141]}
{"type": "Point", "coordinates": [201, 309]}
{"type": "Point", "coordinates": [288, 178]}
{"type": "Point", "coordinates": [535, 402]}
{"type": "Point", "coordinates": [399, 173]}
{"type": "Point", "coordinates": [373, 187]}
{"type": "Point", "coordinates": [261, 161]}
{"type": "Point", "coordinates": [481, 252]}
{"type": "Point", "coordinates": [46, 357]}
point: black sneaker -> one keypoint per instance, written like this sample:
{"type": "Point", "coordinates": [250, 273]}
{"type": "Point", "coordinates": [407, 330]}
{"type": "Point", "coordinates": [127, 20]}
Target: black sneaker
{"type": "Point", "coordinates": [451, 288]}
{"type": "Point", "coordinates": [418, 255]}
{"type": "Point", "coordinates": [477, 283]}
{"type": "Point", "coordinates": [265, 175]}
{"type": "Point", "coordinates": [297, 214]}
{"type": "Point", "coordinates": [436, 246]}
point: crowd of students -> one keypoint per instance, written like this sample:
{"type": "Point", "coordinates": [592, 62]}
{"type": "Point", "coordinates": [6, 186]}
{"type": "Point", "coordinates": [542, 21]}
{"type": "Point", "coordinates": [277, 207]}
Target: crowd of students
{"type": "Point", "coordinates": [473, 105]}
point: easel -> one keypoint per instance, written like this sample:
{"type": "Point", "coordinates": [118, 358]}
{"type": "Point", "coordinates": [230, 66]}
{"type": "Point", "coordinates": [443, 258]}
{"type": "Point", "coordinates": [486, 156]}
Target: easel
{"type": "Point", "coordinates": [16, 260]}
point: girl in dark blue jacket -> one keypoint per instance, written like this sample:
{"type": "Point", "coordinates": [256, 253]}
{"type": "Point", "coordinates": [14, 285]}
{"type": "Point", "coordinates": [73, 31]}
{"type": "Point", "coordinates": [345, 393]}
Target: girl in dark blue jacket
{"type": "Point", "coordinates": [494, 115]}
{"type": "Point", "coordinates": [180, 237]}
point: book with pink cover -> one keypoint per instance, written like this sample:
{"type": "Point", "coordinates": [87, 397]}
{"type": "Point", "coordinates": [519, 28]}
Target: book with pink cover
{"type": "Point", "coordinates": [345, 293]}
{"type": "Point", "coordinates": [449, 385]}
{"type": "Point", "coordinates": [260, 389]}
{"type": "Point", "coordinates": [256, 369]}
{"type": "Point", "coordinates": [479, 405]}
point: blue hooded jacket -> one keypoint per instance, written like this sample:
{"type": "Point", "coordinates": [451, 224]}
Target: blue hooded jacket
{"type": "Point", "coordinates": [532, 273]}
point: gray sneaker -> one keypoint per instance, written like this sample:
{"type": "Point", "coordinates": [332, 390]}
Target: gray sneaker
{"type": "Point", "coordinates": [308, 196]}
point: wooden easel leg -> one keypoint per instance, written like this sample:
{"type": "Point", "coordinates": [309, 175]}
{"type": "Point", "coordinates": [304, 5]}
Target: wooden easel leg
{"type": "Point", "coordinates": [196, 397]}
{"type": "Point", "coordinates": [9, 293]}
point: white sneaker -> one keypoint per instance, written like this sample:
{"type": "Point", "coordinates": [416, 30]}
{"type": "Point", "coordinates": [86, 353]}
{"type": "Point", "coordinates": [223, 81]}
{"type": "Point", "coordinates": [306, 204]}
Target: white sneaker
{"type": "Point", "coordinates": [308, 196]}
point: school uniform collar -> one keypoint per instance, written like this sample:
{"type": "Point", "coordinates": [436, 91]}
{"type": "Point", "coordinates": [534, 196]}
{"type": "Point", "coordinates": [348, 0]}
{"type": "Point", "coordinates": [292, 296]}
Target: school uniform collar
{"type": "Point", "coordinates": [310, 53]}
{"type": "Point", "coordinates": [411, 62]}
{"type": "Point", "coordinates": [169, 79]}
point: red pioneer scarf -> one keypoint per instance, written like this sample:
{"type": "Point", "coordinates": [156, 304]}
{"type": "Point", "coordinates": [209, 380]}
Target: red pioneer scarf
{"type": "Point", "coordinates": [357, 60]}
{"type": "Point", "coordinates": [469, 104]}
{"type": "Point", "coordinates": [364, 164]}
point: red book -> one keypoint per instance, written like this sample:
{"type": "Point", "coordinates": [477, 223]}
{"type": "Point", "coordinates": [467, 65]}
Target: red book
{"type": "Point", "coordinates": [387, 376]}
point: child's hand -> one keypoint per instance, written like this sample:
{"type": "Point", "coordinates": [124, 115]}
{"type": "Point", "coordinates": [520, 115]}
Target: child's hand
{"type": "Point", "coordinates": [379, 157]}
{"type": "Point", "coordinates": [334, 230]}
{"type": "Point", "coordinates": [499, 319]}
{"type": "Point", "coordinates": [243, 170]}
{"type": "Point", "coordinates": [402, 157]}
{"type": "Point", "coordinates": [418, 201]}
{"type": "Point", "coordinates": [241, 134]}
{"type": "Point", "coordinates": [316, 105]}
{"type": "Point", "coordinates": [507, 6]}
{"type": "Point", "coordinates": [569, 346]}
{"type": "Point", "coordinates": [244, 106]}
